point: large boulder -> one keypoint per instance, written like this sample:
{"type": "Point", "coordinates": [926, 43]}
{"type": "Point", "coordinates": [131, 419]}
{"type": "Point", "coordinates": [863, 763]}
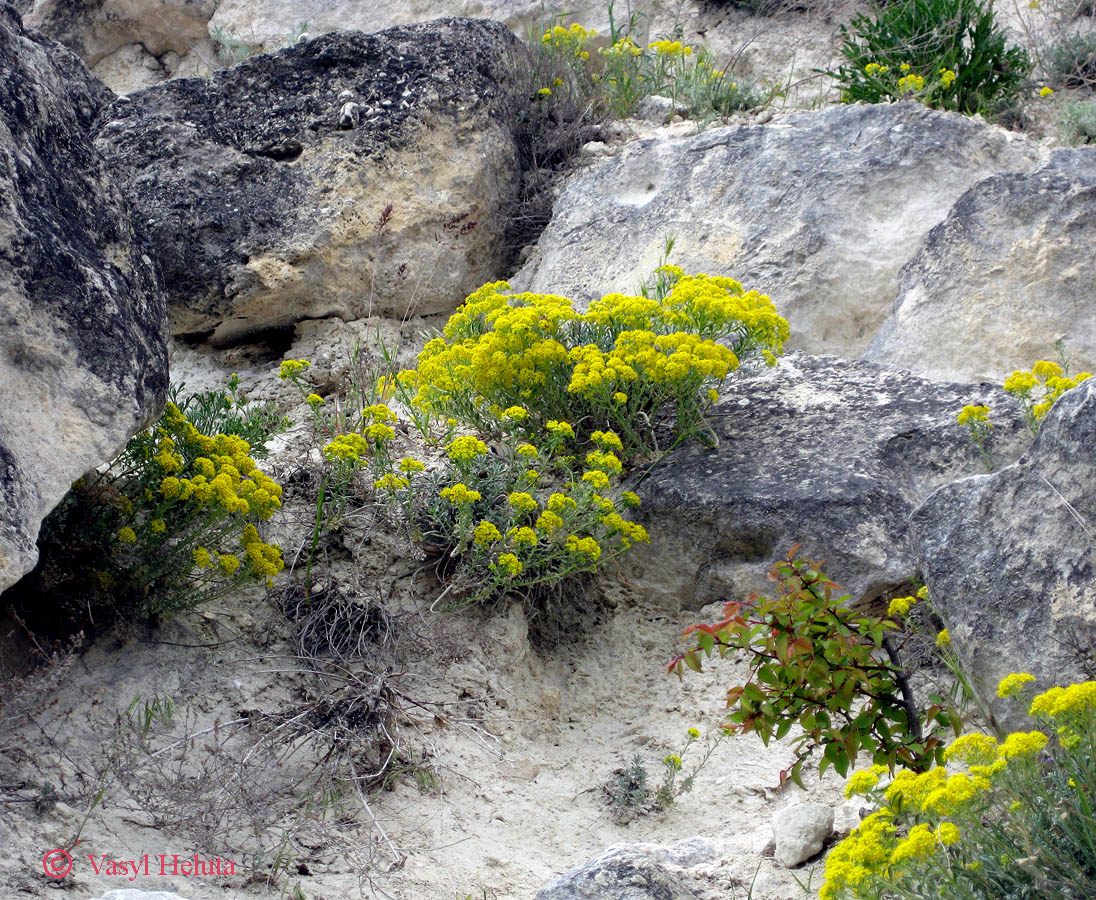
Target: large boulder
{"type": "Point", "coordinates": [131, 43]}
{"type": "Point", "coordinates": [1007, 273]}
{"type": "Point", "coordinates": [1010, 558]}
{"type": "Point", "coordinates": [83, 359]}
{"type": "Point", "coordinates": [825, 453]}
{"type": "Point", "coordinates": [350, 174]}
{"type": "Point", "coordinates": [819, 210]}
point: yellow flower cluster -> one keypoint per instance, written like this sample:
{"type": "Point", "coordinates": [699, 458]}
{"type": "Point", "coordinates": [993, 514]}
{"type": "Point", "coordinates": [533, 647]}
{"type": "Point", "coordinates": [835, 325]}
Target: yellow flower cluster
{"type": "Point", "coordinates": [1022, 743]}
{"type": "Point", "coordinates": [227, 477]}
{"type": "Point", "coordinates": [549, 522]}
{"type": "Point", "coordinates": [508, 564]}
{"type": "Point", "coordinates": [466, 448]}
{"type": "Point", "coordinates": [560, 429]}
{"type": "Point", "coordinates": [486, 533]}
{"type": "Point", "coordinates": [947, 76]}
{"type": "Point", "coordinates": [390, 482]}
{"type": "Point", "coordinates": [585, 547]}
{"type": "Point", "coordinates": [911, 83]}
{"type": "Point", "coordinates": [970, 414]}
{"type": "Point", "coordinates": [350, 449]}
{"type": "Point", "coordinates": [292, 367]}
{"type": "Point", "coordinates": [460, 494]}
{"type": "Point", "coordinates": [670, 48]}
{"type": "Point", "coordinates": [1053, 380]}
{"type": "Point", "coordinates": [630, 532]}
{"type": "Point", "coordinates": [522, 501]}
{"type": "Point", "coordinates": [1067, 702]}
{"type": "Point", "coordinates": [625, 47]}
{"type": "Point", "coordinates": [900, 606]}
{"type": "Point", "coordinates": [861, 782]}
{"type": "Point", "coordinates": [263, 560]}
{"type": "Point", "coordinates": [506, 354]}
{"type": "Point", "coordinates": [1013, 684]}
{"type": "Point", "coordinates": [874, 68]}
{"type": "Point", "coordinates": [597, 478]}
{"type": "Point", "coordinates": [522, 536]}
{"type": "Point", "coordinates": [605, 460]}
{"type": "Point", "coordinates": [974, 749]}
{"type": "Point", "coordinates": [607, 440]}
{"type": "Point", "coordinates": [862, 855]}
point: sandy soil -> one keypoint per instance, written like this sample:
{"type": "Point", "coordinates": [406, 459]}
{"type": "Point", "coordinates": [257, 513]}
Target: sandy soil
{"type": "Point", "coordinates": [503, 740]}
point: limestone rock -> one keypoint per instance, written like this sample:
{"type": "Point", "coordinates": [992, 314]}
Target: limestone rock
{"type": "Point", "coordinates": [822, 452]}
{"type": "Point", "coordinates": [83, 360]}
{"type": "Point", "coordinates": [819, 210]}
{"type": "Point", "coordinates": [1010, 558]}
{"type": "Point", "coordinates": [800, 831]}
{"type": "Point", "coordinates": [265, 210]}
{"type": "Point", "coordinates": [1006, 274]}
{"type": "Point", "coordinates": [654, 109]}
{"type": "Point", "coordinates": [626, 872]}
{"type": "Point", "coordinates": [266, 23]}
{"type": "Point", "coordinates": [94, 29]}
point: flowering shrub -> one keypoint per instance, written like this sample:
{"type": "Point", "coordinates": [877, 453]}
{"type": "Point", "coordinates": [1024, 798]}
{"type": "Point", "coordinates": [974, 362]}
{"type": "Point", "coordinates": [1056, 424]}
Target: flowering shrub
{"type": "Point", "coordinates": [566, 399]}
{"type": "Point", "coordinates": [510, 520]}
{"type": "Point", "coordinates": [617, 366]}
{"type": "Point", "coordinates": [624, 72]}
{"type": "Point", "coordinates": [948, 54]}
{"type": "Point", "coordinates": [169, 524]}
{"type": "Point", "coordinates": [1005, 819]}
{"type": "Point", "coordinates": [816, 664]}
{"type": "Point", "coordinates": [526, 515]}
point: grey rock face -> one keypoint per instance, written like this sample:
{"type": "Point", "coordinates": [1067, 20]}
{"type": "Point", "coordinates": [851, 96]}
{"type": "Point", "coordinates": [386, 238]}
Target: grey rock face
{"type": "Point", "coordinates": [620, 873]}
{"type": "Point", "coordinates": [1010, 558]}
{"type": "Point", "coordinates": [819, 210]}
{"type": "Point", "coordinates": [829, 454]}
{"type": "Point", "coordinates": [83, 360]}
{"type": "Point", "coordinates": [1007, 273]}
{"type": "Point", "coordinates": [800, 831]}
{"type": "Point", "coordinates": [265, 201]}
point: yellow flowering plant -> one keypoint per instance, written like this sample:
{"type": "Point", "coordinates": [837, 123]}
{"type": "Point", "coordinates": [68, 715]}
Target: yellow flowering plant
{"type": "Point", "coordinates": [619, 365]}
{"type": "Point", "coordinates": [619, 75]}
{"type": "Point", "coordinates": [1008, 818]}
{"type": "Point", "coordinates": [1037, 389]}
{"type": "Point", "coordinates": [816, 664]}
{"type": "Point", "coordinates": [169, 524]}
{"type": "Point", "coordinates": [520, 515]}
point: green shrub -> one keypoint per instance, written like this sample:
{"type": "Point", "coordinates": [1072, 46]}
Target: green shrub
{"type": "Point", "coordinates": [816, 664]}
{"type": "Point", "coordinates": [948, 54]}
{"type": "Point", "coordinates": [1011, 819]}
{"type": "Point", "coordinates": [168, 525]}
{"type": "Point", "coordinates": [1078, 122]}
{"type": "Point", "coordinates": [1071, 62]}
{"type": "Point", "coordinates": [231, 412]}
